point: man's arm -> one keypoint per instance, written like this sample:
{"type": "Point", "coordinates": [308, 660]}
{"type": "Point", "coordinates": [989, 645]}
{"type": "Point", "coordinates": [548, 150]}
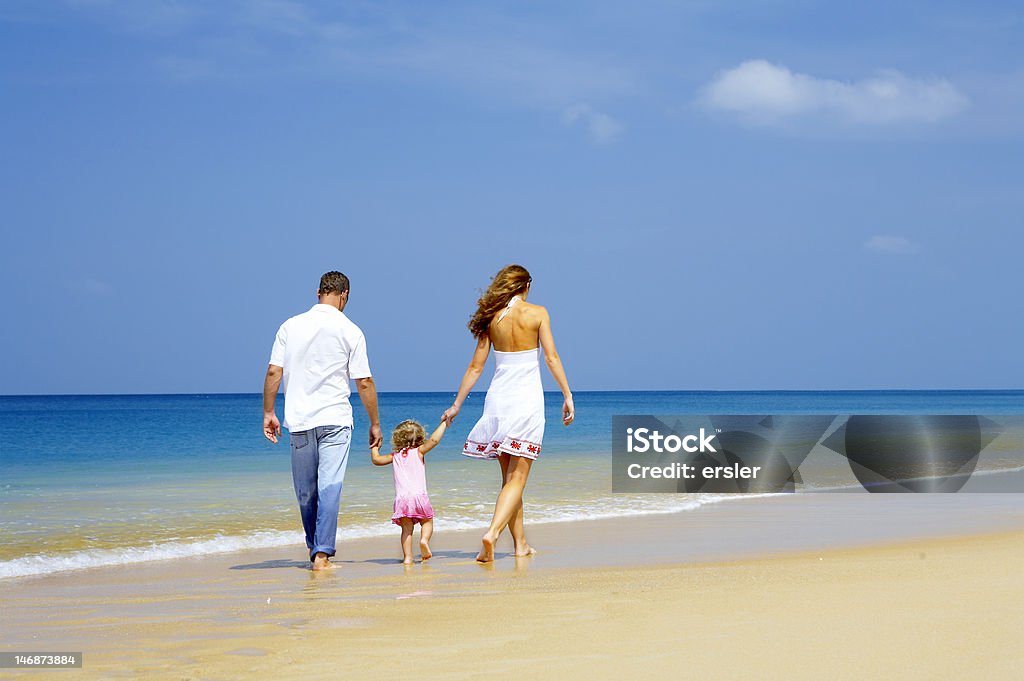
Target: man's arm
{"type": "Point", "coordinates": [271, 426]}
{"type": "Point", "coordinates": [368, 394]}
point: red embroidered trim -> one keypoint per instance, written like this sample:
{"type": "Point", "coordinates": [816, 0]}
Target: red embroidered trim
{"type": "Point", "coordinates": [493, 446]}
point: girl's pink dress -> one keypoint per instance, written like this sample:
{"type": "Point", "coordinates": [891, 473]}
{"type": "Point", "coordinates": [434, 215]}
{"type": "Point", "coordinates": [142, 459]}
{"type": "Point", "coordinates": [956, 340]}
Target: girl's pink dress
{"type": "Point", "coordinates": [411, 500]}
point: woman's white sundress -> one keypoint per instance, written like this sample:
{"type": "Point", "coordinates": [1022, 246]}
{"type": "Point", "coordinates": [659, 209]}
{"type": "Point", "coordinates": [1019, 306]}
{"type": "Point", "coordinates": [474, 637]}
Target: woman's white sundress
{"type": "Point", "coordinates": [513, 418]}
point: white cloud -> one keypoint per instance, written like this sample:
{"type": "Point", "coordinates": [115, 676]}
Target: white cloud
{"type": "Point", "coordinates": [601, 127]}
{"type": "Point", "coordinates": [891, 245]}
{"type": "Point", "coordinates": [479, 49]}
{"type": "Point", "coordinates": [761, 93]}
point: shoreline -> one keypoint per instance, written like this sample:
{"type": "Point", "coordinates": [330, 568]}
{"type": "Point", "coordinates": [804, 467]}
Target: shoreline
{"type": "Point", "coordinates": [1009, 480]}
{"type": "Point", "coordinates": [714, 530]}
{"type": "Point", "coordinates": [576, 609]}
{"type": "Point", "coordinates": [748, 529]}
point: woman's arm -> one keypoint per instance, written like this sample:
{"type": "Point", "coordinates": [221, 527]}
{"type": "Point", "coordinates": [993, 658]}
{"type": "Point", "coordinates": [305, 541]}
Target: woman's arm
{"type": "Point", "coordinates": [469, 379]}
{"type": "Point", "coordinates": [434, 439]}
{"type": "Point", "coordinates": [547, 341]}
{"type": "Point", "coordinates": [378, 459]}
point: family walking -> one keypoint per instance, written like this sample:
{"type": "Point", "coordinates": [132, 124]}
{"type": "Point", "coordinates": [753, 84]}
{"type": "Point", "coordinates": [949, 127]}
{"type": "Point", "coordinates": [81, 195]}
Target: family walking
{"type": "Point", "coordinates": [318, 353]}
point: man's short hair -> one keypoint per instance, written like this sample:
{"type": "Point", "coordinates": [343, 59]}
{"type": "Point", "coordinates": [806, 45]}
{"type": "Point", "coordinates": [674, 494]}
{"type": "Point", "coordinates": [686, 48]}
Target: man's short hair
{"type": "Point", "coordinates": [333, 282]}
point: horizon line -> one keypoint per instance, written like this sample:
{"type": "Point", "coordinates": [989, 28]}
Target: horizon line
{"type": "Point", "coordinates": [577, 392]}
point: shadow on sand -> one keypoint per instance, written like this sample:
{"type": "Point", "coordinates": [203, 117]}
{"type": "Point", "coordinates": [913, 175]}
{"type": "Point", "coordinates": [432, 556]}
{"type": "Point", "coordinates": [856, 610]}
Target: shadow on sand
{"type": "Point", "coordinates": [304, 565]}
{"type": "Point", "coordinates": [270, 564]}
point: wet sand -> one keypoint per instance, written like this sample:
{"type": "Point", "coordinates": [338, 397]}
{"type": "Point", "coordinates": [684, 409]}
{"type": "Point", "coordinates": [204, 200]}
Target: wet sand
{"type": "Point", "coordinates": [810, 586]}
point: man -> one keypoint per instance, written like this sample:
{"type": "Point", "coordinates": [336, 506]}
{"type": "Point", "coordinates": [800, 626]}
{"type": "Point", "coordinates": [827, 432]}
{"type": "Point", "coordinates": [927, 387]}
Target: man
{"type": "Point", "coordinates": [317, 353]}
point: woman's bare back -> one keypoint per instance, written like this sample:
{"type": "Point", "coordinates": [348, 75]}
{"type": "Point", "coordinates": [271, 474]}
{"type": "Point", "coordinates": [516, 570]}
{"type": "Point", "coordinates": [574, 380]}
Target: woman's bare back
{"type": "Point", "coordinates": [520, 328]}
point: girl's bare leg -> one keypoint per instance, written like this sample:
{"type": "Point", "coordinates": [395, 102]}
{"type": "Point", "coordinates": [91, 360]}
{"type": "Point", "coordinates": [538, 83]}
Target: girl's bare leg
{"type": "Point", "coordinates": [407, 525]}
{"type": "Point", "coordinates": [515, 525]}
{"type": "Point", "coordinates": [426, 531]}
{"type": "Point", "coordinates": [509, 501]}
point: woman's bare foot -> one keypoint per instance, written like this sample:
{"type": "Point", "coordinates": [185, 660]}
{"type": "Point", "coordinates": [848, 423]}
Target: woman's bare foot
{"type": "Point", "coordinates": [524, 550]}
{"type": "Point", "coordinates": [486, 554]}
{"type": "Point", "coordinates": [407, 560]}
{"type": "Point", "coordinates": [425, 553]}
{"type": "Point", "coordinates": [321, 561]}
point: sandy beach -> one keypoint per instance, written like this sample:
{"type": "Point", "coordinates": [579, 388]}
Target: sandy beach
{"type": "Point", "coordinates": [715, 299]}
{"type": "Point", "coordinates": [810, 586]}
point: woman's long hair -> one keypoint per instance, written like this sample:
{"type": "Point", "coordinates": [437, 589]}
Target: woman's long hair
{"type": "Point", "coordinates": [510, 281]}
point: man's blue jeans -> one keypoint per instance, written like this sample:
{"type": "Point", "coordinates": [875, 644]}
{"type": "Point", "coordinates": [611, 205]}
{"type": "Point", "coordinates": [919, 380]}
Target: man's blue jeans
{"type": "Point", "coordinates": [319, 460]}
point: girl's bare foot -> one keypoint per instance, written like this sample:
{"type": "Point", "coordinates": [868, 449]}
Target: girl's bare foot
{"type": "Point", "coordinates": [486, 554]}
{"type": "Point", "coordinates": [425, 553]}
{"type": "Point", "coordinates": [524, 550]}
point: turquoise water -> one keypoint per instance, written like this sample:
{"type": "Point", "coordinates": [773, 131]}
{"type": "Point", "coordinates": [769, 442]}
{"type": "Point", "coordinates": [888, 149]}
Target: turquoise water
{"type": "Point", "coordinates": [97, 480]}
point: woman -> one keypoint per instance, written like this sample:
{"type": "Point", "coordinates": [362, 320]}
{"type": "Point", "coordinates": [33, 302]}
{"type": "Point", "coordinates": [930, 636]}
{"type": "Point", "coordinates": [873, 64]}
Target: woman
{"type": "Point", "coordinates": [512, 425]}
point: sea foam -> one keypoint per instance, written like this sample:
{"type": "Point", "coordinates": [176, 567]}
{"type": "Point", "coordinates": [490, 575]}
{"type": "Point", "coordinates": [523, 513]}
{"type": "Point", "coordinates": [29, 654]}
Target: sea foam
{"type": "Point", "coordinates": [27, 566]}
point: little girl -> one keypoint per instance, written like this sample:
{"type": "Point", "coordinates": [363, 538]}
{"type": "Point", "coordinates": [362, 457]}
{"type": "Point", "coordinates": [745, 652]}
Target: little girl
{"type": "Point", "coordinates": [412, 504]}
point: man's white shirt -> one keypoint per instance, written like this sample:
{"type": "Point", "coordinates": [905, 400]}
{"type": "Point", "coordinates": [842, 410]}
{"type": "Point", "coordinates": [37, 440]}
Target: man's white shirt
{"type": "Point", "coordinates": [320, 351]}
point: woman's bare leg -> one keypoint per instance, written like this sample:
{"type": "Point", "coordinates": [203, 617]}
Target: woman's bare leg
{"type": "Point", "coordinates": [509, 501]}
{"type": "Point", "coordinates": [515, 525]}
{"type": "Point", "coordinates": [426, 531]}
{"type": "Point", "coordinates": [407, 525]}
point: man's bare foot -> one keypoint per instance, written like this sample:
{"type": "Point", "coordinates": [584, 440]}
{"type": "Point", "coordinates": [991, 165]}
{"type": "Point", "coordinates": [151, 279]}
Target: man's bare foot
{"type": "Point", "coordinates": [524, 550]}
{"type": "Point", "coordinates": [321, 561]}
{"type": "Point", "coordinates": [425, 553]}
{"type": "Point", "coordinates": [486, 554]}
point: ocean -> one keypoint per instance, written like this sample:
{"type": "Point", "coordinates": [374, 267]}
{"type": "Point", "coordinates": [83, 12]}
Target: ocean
{"type": "Point", "coordinates": [88, 481]}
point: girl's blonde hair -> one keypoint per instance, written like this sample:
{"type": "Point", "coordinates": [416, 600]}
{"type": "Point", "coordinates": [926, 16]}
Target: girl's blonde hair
{"type": "Point", "coordinates": [511, 280]}
{"type": "Point", "coordinates": [407, 435]}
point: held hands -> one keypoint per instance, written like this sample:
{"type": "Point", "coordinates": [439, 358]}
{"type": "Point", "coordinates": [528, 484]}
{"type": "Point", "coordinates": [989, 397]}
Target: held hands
{"type": "Point", "coordinates": [568, 411]}
{"type": "Point", "coordinates": [271, 427]}
{"type": "Point", "coordinates": [449, 415]}
{"type": "Point", "coordinates": [376, 436]}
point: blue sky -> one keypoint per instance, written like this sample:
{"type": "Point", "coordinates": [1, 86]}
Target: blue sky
{"type": "Point", "coordinates": [710, 195]}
